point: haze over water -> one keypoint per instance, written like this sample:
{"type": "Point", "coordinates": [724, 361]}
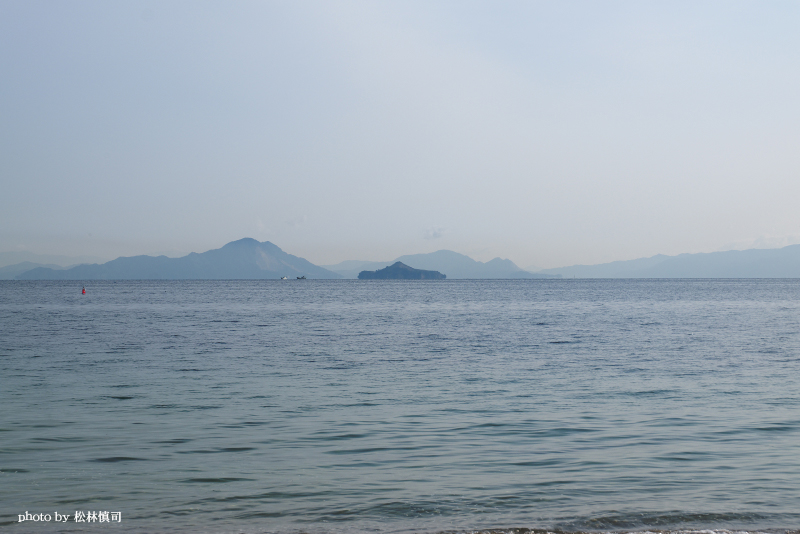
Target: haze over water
{"type": "Point", "coordinates": [267, 406]}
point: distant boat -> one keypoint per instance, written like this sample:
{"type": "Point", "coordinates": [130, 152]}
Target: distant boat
{"type": "Point", "coordinates": [301, 277]}
{"type": "Point", "coordinates": [284, 278]}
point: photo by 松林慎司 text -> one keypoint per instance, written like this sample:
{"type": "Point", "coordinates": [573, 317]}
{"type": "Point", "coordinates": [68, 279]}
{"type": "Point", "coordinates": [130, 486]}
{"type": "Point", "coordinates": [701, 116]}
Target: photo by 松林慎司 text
{"type": "Point", "coordinates": [79, 517]}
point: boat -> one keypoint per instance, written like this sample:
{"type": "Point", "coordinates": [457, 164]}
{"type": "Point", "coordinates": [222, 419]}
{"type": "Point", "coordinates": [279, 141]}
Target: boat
{"type": "Point", "coordinates": [301, 277]}
{"type": "Point", "coordinates": [284, 278]}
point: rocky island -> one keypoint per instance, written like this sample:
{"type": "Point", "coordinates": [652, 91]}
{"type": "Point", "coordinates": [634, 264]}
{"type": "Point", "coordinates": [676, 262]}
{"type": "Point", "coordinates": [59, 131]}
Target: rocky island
{"type": "Point", "coordinates": [400, 271]}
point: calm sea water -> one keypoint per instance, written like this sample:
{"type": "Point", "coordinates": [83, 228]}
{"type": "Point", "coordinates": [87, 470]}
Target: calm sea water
{"type": "Point", "coordinates": [352, 406]}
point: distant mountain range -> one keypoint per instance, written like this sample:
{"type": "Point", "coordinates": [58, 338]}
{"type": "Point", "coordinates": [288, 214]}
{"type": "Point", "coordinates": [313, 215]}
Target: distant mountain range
{"type": "Point", "coordinates": [21, 256]}
{"type": "Point", "coordinates": [10, 272]}
{"type": "Point", "coordinates": [243, 259]}
{"type": "Point", "coordinates": [450, 263]}
{"type": "Point", "coordinates": [250, 259]}
{"type": "Point", "coordinates": [14, 263]}
{"type": "Point", "coordinates": [754, 263]}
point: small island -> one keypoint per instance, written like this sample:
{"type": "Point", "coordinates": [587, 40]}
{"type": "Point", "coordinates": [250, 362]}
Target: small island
{"type": "Point", "coordinates": [400, 271]}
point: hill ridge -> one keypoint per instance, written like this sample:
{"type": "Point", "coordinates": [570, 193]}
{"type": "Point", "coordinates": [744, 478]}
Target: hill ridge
{"type": "Point", "coordinates": [245, 259]}
{"type": "Point", "coordinates": [751, 263]}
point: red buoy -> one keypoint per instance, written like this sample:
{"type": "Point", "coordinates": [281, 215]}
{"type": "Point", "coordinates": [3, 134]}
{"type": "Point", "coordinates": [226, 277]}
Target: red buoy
{"type": "Point", "coordinates": [83, 292]}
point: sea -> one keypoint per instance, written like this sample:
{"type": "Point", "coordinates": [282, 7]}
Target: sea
{"type": "Point", "coordinates": [347, 406]}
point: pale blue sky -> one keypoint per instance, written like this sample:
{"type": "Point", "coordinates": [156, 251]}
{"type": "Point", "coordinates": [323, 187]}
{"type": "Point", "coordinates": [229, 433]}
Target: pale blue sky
{"type": "Point", "coordinates": [551, 133]}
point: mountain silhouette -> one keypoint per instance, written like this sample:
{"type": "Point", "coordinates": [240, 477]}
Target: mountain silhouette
{"type": "Point", "coordinates": [453, 264]}
{"type": "Point", "coordinates": [400, 271]}
{"type": "Point", "coordinates": [244, 259]}
{"type": "Point", "coordinates": [753, 263]}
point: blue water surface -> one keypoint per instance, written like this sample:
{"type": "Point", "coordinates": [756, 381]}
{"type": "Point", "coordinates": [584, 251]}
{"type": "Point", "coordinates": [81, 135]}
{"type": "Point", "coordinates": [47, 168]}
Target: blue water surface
{"type": "Point", "coordinates": [399, 406]}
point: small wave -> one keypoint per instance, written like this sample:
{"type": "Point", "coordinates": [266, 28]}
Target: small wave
{"type": "Point", "coordinates": [677, 522]}
{"type": "Point", "coordinates": [603, 531]}
{"type": "Point", "coordinates": [114, 459]}
{"type": "Point", "coordinates": [74, 439]}
{"type": "Point", "coordinates": [217, 450]}
{"type": "Point", "coordinates": [213, 480]}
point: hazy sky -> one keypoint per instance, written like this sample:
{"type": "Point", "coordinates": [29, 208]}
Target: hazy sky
{"type": "Point", "coordinates": [550, 133]}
